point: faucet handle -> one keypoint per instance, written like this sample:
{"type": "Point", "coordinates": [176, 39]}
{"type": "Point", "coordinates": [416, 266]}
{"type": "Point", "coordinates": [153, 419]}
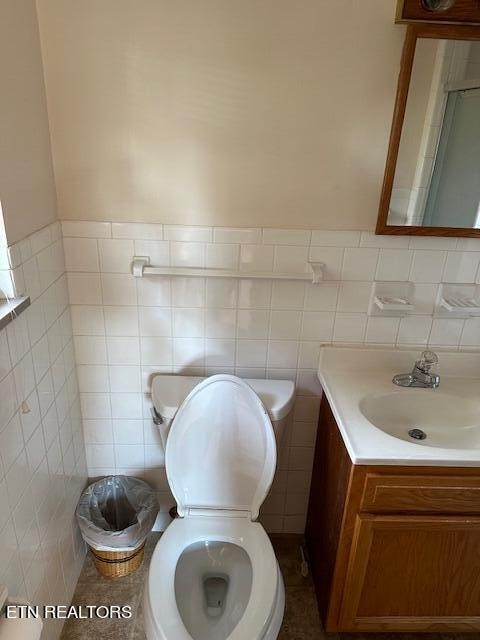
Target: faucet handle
{"type": "Point", "coordinates": [427, 360]}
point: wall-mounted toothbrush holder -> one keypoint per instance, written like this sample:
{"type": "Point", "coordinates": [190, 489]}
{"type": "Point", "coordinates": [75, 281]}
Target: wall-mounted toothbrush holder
{"type": "Point", "coordinates": [458, 301]}
{"type": "Point", "coordinates": [391, 299]}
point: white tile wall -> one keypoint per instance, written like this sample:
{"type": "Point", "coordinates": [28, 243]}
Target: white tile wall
{"type": "Point", "coordinates": [127, 330]}
{"type": "Point", "coordinates": [42, 454]}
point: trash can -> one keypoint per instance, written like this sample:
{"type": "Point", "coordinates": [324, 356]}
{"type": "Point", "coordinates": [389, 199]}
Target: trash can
{"type": "Point", "coordinates": [115, 515]}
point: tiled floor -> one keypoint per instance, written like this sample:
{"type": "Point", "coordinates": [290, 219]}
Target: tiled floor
{"type": "Point", "coordinates": [301, 620]}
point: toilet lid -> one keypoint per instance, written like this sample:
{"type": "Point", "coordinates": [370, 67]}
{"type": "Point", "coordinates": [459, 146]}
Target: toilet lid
{"type": "Point", "coordinates": [221, 451]}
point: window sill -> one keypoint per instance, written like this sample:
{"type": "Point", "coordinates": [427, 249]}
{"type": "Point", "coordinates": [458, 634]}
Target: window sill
{"type": "Point", "coordinates": [10, 309]}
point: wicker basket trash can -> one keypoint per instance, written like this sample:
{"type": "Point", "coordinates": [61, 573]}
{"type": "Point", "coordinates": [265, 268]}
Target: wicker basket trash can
{"type": "Point", "coordinates": [115, 515]}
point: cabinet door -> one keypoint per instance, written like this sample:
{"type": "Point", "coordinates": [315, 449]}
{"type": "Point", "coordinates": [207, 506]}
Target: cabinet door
{"type": "Point", "coordinates": [413, 573]}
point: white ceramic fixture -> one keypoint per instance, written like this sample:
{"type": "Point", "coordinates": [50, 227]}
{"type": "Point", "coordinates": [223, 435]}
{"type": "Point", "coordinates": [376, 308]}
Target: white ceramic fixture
{"type": "Point", "coordinates": [213, 574]}
{"type": "Point", "coordinates": [382, 423]}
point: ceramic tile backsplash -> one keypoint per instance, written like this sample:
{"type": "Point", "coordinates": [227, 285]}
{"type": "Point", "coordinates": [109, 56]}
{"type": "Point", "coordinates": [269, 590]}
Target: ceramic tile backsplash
{"type": "Point", "coordinates": [42, 454]}
{"type": "Point", "coordinates": [126, 330]}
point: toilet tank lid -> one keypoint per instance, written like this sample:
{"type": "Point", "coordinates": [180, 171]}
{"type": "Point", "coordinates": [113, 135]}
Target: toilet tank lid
{"type": "Point", "coordinates": [169, 391]}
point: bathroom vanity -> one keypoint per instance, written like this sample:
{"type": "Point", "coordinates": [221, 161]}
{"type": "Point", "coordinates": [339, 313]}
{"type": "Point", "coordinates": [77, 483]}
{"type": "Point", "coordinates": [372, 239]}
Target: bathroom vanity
{"type": "Point", "coordinates": [393, 528]}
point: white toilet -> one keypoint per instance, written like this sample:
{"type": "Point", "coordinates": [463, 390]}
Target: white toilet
{"type": "Point", "coordinates": [214, 574]}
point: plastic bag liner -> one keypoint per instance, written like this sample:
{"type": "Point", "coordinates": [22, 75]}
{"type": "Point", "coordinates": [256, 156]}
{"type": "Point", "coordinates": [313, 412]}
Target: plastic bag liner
{"type": "Point", "coordinates": [116, 513]}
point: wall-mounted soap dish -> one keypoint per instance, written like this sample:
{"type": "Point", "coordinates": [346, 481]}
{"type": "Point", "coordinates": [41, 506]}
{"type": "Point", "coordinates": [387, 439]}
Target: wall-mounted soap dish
{"type": "Point", "coordinates": [391, 299]}
{"type": "Point", "coordinates": [386, 303]}
{"type": "Point", "coordinates": [458, 300]}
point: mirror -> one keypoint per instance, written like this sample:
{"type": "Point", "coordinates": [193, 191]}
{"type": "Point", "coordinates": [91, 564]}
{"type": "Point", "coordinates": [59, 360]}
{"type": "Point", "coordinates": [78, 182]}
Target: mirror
{"type": "Point", "coordinates": [432, 178]}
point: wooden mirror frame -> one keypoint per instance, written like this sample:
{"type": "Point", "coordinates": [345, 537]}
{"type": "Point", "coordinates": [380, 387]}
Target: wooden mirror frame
{"type": "Point", "coordinates": [414, 32]}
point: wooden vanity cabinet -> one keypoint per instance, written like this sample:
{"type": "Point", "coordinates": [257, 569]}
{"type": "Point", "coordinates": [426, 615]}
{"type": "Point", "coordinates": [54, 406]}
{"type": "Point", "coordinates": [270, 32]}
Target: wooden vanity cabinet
{"type": "Point", "coordinates": [392, 548]}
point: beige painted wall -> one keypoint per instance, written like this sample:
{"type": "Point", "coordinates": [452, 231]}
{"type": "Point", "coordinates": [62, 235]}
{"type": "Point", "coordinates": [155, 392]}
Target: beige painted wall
{"type": "Point", "coordinates": [27, 189]}
{"type": "Point", "coordinates": [272, 113]}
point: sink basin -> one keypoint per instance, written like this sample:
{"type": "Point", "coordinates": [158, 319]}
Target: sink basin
{"type": "Point", "coordinates": [426, 417]}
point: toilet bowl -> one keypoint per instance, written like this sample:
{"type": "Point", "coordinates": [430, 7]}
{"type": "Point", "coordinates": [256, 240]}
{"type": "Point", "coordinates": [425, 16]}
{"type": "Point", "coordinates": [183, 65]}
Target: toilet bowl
{"type": "Point", "coordinates": [214, 574]}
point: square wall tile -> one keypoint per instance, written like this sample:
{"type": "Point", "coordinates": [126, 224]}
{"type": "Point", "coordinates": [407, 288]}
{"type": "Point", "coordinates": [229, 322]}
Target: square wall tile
{"type": "Point", "coordinates": [188, 292]}
{"type": "Point", "coordinates": [116, 255]}
{"type": "Point", "coordinates": [382, 330]}
{"type": "Point", "coordinates": [98, 431]}
{"type": "Point", "coordinates": [189, 352]}
{"type": "Point", "coordinates": [288, 294]}
{"type": "Point", "coordinates": [122, 321]}
{"type": "Point", "coordinates": [359, 264]}
{"type": "Point", "coordinates": [90, 350]}
{"type": "Point", "coordinates": [254, 294]}
{"type": "Point", "coordinates": [81, 254]}
{"type": "Point", "coordinates": [256, 258]}
{"type": "Point", "coordinates": [253, 323]}
{"type": "Point", "coordinates": [222, 256]}
{"type": "Point", "coordinates": [128, 432]}
{"type": "Point", "coordinates": [291, 260]}
{"type": "Point", "coordinates": [282, 354]}
{"type": "Point", "coordinates": [219, 353]}
{"type": "Point", "coordinates": [309, 354]}
{"type": "Point", "coordinates": [394, 264]}
{"type": "Point", "coordinates": [118, 289]}
{"type": "Point", "coordinates": [220, 323]}
{"type": "Point", "coordinates": [188, 323]}
{"type": "Point", "coordinates": [317, 325]}
{"type": "Point", "coordinates": [471, 333]}
{"type": "Point", "coordinates": [87, 320]}
{"type": "Point", "coordinates": [354, 296]}
{"type": "Point", "coordinates": [187, 254]}
{"type": "Point", "coordinates": [322, 297]}
{"type": "Point", "coordinates": [414, 330]}
{"type": "Point", "coordinates": [155, 321]}
{"type": "Point", "coordinates": [93, 378]}
{"type": "Point", "coordinates": [157, 250]}
{"type": "Point", "coordinates": [251, 353]}
{"type": "Point", "coordinates": [100, 455]}
{"type": "Point", "coordinates": [123, 350]}
{"type": "Point", "coordinates": [285, 325]}
{"type": "Point", "coordinates": [154, 291]}
{"type": "Point", "coordinates": [349, 327]}
{"type": "Point", "coordinates": [461, 266]}
{"type": "Point", "coordinates": [446, 331]}
{"type": "Point", "coordinates": [126, 405]}
{"type": "Point", "coordinates": [84, 288]}
{"type": "Point", "coordinates": [95, 405]}
{"type": "Point", "coordinates": [156, 351]}
{"type": "Point", "coordinates": [221, 293]}
{"type": "Point", "coordinates": [427, 266]}
{"type": "Point", "coordinates": [124, 379]}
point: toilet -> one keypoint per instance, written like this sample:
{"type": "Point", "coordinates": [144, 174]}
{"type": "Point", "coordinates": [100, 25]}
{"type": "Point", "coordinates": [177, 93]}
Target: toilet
{"type": "Point", "coordinates": [214, 574]}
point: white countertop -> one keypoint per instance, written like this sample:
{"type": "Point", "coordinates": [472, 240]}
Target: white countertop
{"type": "Point", "coordinates": [348, 375]}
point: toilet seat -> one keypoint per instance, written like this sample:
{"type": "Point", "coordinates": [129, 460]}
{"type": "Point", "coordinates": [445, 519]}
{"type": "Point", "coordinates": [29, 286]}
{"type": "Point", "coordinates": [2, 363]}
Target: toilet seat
{"type": "Point", "coordinates": [221, 452]}
{"type": "Point", "coordinates": [220, 462]}
{"type": "Point", "coordinates": [162, 616]}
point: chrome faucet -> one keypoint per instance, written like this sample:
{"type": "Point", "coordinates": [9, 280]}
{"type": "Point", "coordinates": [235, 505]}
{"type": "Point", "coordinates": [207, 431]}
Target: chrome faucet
{"type": "Point", "coordinates": [421, 375]}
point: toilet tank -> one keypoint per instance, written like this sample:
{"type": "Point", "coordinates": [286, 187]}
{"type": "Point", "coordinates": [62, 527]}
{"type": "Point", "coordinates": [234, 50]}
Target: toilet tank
{"type": "Point", "coordinates": [169, 391]}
